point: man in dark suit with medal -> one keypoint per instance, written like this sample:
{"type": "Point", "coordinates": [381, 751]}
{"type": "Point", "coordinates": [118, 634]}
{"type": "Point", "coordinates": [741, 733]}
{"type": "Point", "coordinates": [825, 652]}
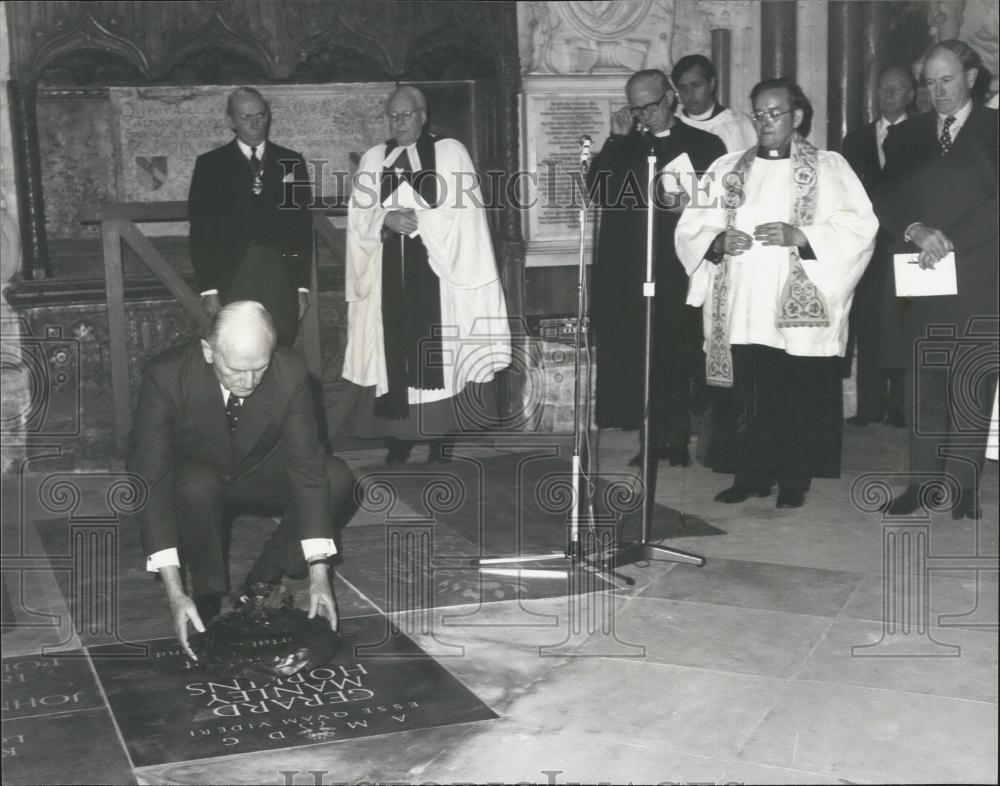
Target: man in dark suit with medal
{"type": "Point", "coordinates": [939, 196]}
{"type": "Point", "coordinates": [250, 224]}
{"type": "Point", "coordinates": [880, 390]}
{"type": "Point", "coordinates": [618, 176]}
{"type": "Point", "coordinates": [226, 424]}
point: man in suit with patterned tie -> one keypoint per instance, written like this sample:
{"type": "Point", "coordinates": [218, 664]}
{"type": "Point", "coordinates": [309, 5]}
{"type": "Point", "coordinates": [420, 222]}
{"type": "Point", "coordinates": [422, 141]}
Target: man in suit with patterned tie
{"type": "Point", "coordinates": [880, 390]}
{"type": "Point", "coordinates": [940, 196]}
{"type": "Point", "coordinates": [250, 224]}
{"type": "Point", "coordinates": [227, 424]}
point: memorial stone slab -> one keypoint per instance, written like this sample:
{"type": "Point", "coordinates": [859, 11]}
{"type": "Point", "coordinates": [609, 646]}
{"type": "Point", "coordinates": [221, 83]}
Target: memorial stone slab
{"type": "Point", "coordinates": [379, 682]}
{"type": "Point", "coordinates": [68, 747]}
{"type": "Point", "coordinates": [557, 112]}
{"type": "Point", "coordinates": [42, 685]}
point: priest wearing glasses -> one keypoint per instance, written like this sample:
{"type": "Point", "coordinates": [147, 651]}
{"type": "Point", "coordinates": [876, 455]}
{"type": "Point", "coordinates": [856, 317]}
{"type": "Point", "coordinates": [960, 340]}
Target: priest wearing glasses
{"type": "Point", "coordinates": [427, 319]}
{"type": "Point", "coordinates": [618, 179]}
{"type": "Point", "coordinates": [250, 226]}
{"type": "Point", "coordinates": [774, 260]}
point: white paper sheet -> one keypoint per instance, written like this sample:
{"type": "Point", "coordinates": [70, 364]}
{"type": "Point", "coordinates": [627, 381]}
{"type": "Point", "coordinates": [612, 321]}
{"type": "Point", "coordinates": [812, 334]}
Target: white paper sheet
{"type": "Point", "coordinates": [915, 281]}
{"type": "Point", "coordinates": [679, 175]}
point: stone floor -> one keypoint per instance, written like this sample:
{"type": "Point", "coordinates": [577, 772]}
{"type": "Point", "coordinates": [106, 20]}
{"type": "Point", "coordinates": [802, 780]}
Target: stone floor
{"type": "Point", "coordinates": [822, 645]}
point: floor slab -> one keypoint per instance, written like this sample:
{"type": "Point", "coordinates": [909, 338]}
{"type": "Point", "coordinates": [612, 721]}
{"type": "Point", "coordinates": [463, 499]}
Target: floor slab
{"type": "Point", "coordinates": [862, 734]}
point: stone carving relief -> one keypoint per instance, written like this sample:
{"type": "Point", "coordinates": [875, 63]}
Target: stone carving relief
{"type": "Point", "coordinates": [602, 37]}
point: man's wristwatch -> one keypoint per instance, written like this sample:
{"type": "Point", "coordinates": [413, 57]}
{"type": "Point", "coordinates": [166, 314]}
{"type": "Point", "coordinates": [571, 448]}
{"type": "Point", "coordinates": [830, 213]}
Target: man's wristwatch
{"type": "Point", "coordinates": [317, 561]}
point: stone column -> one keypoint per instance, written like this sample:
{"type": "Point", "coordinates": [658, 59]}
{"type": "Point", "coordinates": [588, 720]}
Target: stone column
{"type": "Point", "coordinates": [846, 69]}
{"type": "Point", "coordinates": [28, 173]}
{"type": "Point", "coordinates": [876, 26]}
{"type": "Point", "coordinates": [778, 20]}
{"type": "Point", "coordinates": [721, 53]}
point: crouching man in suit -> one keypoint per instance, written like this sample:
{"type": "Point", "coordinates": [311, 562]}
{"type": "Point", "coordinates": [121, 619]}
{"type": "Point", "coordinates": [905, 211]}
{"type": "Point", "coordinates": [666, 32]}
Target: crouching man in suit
{"type": "Point", "coordinates": [223, 425]}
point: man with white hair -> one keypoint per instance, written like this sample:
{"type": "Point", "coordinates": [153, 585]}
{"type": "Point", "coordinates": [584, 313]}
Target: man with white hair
{"type": "Point", "coordinates": [427, 319]}
{"type": "Point", "coordinates": [226, 424]}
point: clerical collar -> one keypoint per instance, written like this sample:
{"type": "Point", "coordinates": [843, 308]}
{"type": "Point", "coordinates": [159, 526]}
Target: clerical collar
{"type": "Point", "coordinates": [245, 148]}
{"type": "Point", "coordinates": [411, 152]}
{"type": "Point", "coordinates": [775, 153]}
{"type": "Point", "coordinates": [717, 109]}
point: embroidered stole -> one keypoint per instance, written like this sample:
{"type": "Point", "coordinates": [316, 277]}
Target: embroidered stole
{"type": "Point", "coordinates": [801, 303]}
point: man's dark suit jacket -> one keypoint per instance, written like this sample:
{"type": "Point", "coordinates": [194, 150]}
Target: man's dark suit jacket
{"type": "Point", "coordinates": [225, 219]}
{"type": "Point", "coordinates": [861, 152]}
{"type": "Point", "coordinates": [182, 417]}
{"type": "Point", "coordinates": [955, 193]}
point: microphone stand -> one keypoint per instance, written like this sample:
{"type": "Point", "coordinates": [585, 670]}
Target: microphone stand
{"type": "Point", "coordinates": [574, 554]}
{"type": "Point", "coordinates": [642, 550]}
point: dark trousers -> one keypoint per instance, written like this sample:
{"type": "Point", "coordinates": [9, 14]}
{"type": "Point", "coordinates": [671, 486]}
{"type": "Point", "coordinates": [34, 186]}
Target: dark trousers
{"type": "Point", "coordinates": [263, 276]}
{"type": "Point", "coordinates": [788, 414]}
{"type": "Point", "coordinates": [206, 505]}
{"type": "Point", "coordinates": [949, 418]}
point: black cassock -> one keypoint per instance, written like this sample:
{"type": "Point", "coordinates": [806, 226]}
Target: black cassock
{"type": "Point", "coordinates": [618, 177]}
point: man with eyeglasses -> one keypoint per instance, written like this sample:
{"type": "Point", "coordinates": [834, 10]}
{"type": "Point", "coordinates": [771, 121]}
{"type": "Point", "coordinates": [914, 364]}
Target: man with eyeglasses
{"type": "Point", "coordinates": [880, 390]}
{"type": "Point", "coordinates": [426, 315]}
{"type": "Point", "coordinates": [251, 232]}
{"type": "Point", "coordinates": [774, 258]}
{"type": "Point", "coordinates": [618, 178]}
{"type": "Point", "coordinates": [939, 196]}
{"type": "Point", "coordinates": [695, 79]}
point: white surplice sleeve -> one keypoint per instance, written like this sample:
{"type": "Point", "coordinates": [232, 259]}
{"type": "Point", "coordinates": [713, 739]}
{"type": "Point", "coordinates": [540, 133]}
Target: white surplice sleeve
{"type": "Point", "coordinates": [455, 233]}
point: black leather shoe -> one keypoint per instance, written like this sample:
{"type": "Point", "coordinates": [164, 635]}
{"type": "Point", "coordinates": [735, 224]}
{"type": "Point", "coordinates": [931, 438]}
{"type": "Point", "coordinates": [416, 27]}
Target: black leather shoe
{"type": "Point", "coordinates": [679, 457]}
{"type": "Point", "coordinates": [253, 597]}
{"type": "Point", "coordinates": [906, 503]}
{"type": "Point", "coordinates": [209, 605]}
{"type": "Point", "coordinates": [967, 506]}
{"type": "Point", "coordinates": [739, 493]}
{"type": "Point", "coordinates": [857, 420]}
{"type": "Point", "coordinates": [636, 460]}
{"type": "Point", "coordinates": [399, 451]}
{"type": "Point", "coordinates": [791, 498]}
{"type": "Point", "coordinates": [440, 451]}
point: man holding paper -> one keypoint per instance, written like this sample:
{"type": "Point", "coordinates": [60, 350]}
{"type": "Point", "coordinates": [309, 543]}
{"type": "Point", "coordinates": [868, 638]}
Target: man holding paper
{"type": "Point", "coordinates": [427, 319]}
{"type": "Point", "coordinates": [774, 258]}
{"type": "Point", "coordinates": [938, 203]}
{"type": "Point", "coordinates": [618, 177]}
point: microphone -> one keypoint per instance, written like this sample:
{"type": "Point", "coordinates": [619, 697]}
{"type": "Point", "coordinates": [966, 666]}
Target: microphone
{"type": "Point", "coordinates": [584, 152]}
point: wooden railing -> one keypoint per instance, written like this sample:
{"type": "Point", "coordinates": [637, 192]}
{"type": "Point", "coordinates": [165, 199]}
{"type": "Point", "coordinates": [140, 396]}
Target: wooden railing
{"type": "Point", "coordinates": [118, 222]}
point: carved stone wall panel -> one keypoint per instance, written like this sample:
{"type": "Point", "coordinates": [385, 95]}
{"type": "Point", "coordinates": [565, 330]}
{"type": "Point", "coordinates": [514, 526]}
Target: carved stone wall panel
{"type": "Point", "coordinates": [74, 134]}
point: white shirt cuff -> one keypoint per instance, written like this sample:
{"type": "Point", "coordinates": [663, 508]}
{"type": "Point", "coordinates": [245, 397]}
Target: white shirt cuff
{"type": "Point", "coordinates": [318, 547]}
{"type": "Point", "coordinates": [210, 292]}
{"type": "Point", "coordinates": [160, 559]}
{"type": "Point", "coordinates": [303, 289]}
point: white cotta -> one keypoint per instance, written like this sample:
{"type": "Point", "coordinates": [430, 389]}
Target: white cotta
{"type": "Point", "coordinates": [476, 332]}
{"type": "Point", "coordinates": [842, 236]}
{"type": "Point", "coordinates": [735, 129]}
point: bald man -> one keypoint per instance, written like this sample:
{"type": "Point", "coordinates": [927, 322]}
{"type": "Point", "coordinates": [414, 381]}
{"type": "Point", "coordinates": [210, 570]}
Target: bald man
{"type": "Point", "coordinates": [427, 320]}
{"type": "Point", "coordinates": [226, 425]}
{"type": "Point", "coordinates": [939, 196]}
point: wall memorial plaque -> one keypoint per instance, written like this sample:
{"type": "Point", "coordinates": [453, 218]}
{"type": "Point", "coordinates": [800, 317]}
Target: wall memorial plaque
{"type": "Point", "coordinates": [169, 711]}
{"type": "Point", "coordinates": [158, 133]}
{"type": "Point", "coordinates": [556, 112]}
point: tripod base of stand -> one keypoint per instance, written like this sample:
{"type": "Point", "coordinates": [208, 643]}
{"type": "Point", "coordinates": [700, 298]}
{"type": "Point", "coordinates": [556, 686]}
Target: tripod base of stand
{"type": "Point", "coordinates": [629, 553]}
{"type": "Point", "coordinates": [510, 566]}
